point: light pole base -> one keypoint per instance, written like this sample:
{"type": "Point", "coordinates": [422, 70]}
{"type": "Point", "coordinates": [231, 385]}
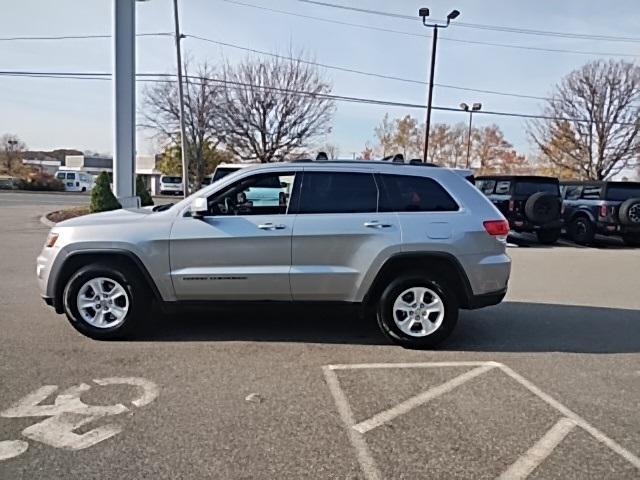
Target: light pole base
{"type": "Point", "coordinates": [129, 202]}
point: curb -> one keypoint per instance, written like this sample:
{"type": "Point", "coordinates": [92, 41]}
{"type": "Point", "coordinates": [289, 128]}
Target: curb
{"type": "Point", "coordinates": [44, 220]}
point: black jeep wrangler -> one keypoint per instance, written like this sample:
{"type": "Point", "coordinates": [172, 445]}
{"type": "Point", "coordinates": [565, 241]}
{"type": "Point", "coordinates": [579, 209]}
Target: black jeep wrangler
{"type": "Point", "coordinates": [529, 203]}
{"type": "Point", "coordinates": [607, 208]}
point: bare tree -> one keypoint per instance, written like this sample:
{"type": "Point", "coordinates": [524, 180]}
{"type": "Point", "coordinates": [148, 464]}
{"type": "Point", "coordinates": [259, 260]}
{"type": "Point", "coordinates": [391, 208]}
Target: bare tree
{"type": "Point", "coordinates": [202, 96]}
{"type": "Point", "coordinates": [488, 148]}
{"type": "Point", "coordinates": [11, 148]}
{"type": "Point", "coordinates": [384, 134]}
{"type": "Point", "coordinates": [273, 107]}
{"type": "Point", "coordinates": [596, 132]}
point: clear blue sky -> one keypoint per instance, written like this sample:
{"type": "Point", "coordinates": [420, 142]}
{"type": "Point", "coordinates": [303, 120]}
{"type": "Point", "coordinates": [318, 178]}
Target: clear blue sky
{"type": "Point", "coordinates": [50, 114]}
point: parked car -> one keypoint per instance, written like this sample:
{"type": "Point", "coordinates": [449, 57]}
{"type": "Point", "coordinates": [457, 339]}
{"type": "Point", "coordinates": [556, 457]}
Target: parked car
{"type": "Point", "coordinates": [530, 203]}
{"type": "Point", "coordinates": [224, 169]}
{"type": "Point", "coordinates": [412, 243]}
{"type": "Point", "coordinates": [607, 208]}
{"type": "Point", "coordinates": [75, 181]}
{"type": "Point", "coordinates": [7, 182]}
{"type": "Point", "coordinates": [171, 185]}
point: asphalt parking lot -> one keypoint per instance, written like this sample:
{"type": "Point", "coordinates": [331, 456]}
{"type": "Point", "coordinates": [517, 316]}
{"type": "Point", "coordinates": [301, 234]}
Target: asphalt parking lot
{"type": "Point", "coordinates": [546, 385]}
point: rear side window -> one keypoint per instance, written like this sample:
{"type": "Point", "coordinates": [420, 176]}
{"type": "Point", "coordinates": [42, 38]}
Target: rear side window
{"type": "Point", "coordinates": [486, 186]}
{"type": "Point", "coordinates": [529, 188]}
{"type": "Point", "coordinates": [503, 187]}
{"type": "Point", "coordinates": [335, 192]}
{"type": "Point", "coordinates": [622, 192]}
{"type": "Point", "coordinates": [405, 193]}
{"type": "Point", "coordinates": [572, 192]}
{"type": "Point", "coordinates": [591, 192]}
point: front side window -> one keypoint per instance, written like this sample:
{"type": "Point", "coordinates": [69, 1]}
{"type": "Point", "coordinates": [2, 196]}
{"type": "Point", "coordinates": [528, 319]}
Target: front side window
{"type": "Point", "coordinates": [572, 192]}
{"type": "Point", "coordinates": [263, 194]}
{"type": "Point", "coordinates": [406, 193]}
{"type": "Point", "coordinates": [338, 192]}
{"type": "Point", "coordinates": [503, 187]}
{"type": "Point", "coordinates": [71, 176]}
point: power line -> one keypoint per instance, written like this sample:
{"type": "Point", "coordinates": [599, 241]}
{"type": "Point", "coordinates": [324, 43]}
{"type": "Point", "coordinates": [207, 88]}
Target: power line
{"type": "Point", "coordinates": [149, 77]}
{"type": "Point", "coordinates": [78, 37]}
{"type": "Point", "coordinates": [498, 28]}
{"type": "Point", "coordinates": [421, 35]}
{"type": "Point", "coordinates": [369, 74]}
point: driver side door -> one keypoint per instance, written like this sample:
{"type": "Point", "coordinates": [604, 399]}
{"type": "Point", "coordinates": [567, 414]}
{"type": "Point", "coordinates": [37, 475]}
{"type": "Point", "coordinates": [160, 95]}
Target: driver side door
{"type": "Point", "coordinates": [241, 249]}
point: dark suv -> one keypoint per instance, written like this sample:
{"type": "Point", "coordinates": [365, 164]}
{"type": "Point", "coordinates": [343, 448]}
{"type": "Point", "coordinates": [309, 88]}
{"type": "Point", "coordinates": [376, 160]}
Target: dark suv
{"type": "Point", "coordinates": [530, 203]}
{"type": "Point", "coordinates": [607, 208]}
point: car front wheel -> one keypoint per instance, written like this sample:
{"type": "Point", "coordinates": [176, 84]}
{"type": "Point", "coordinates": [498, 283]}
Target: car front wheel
{"type": "Point", "coordinates": [104, 302]}
{"type": "Point", "coordinates": [417, 312]}
{"type": "Point", "coordinates": [582, 230]}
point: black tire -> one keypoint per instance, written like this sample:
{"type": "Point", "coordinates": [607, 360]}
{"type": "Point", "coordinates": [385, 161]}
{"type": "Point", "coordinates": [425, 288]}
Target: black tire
{"type": "Point", "coordinates": [542, 207]}
{"type": "Point", "coordinates": [582, 230]}
{"type": "Point", "coordinates": [84, 189]}
{"type": "Point", "coordinates": [548, 237]}
{"type": "Point", "coordinates": [385, 314]}
{"type": "Point", "coordinates": [631, 240]}
{"type": "Point", "coordinates": [138, 298]}
{"type": "Point", "coordinates": [629, 212]}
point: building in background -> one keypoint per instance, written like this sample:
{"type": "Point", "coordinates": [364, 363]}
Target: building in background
{"type": "Point", "coordinates": [145, 167]}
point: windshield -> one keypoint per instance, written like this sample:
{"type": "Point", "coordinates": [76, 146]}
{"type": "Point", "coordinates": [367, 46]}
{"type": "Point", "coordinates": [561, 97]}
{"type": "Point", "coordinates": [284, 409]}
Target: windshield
{"type": "Point", "coordinates": [171, 180]}
{"type": "Point", "coordinates": [529, 188]}
{"type": "Point", "coordinates": [621, 193]}
{"type": "Point", "coordinates": [222, 172]}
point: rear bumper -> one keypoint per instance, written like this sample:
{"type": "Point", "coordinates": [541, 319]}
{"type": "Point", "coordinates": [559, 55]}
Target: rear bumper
{"type": "Point", "coordinates": [486, 299]}
{"type": "Point", "coordinates": [616, 229]}
{"type": "Point", "coordinates": [523, 225]}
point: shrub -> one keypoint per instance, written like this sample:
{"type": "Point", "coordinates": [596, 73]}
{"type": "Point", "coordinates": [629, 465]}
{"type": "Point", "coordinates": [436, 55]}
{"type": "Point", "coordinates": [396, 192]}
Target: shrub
{"type": "Point", "coordinates": [40, 181]}
{"type": "Point", "coordinates": [102, 198]}
{"type": "Point", "coordinates": [143, 192]}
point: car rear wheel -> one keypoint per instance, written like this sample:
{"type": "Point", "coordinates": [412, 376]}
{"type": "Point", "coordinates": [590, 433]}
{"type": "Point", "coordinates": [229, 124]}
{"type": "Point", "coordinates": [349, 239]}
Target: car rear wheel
{"type": "Point", "coordinates": [417, 312]}
{"type": "Point", "coordinates": [548, 237]}
{"type": "Point", "coordinates": [582, 230]}
{"type": "Point", "coordinates": [104, 302]}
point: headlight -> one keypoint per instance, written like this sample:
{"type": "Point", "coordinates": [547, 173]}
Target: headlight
{"type": "Point", "coordinates": [51, 239]}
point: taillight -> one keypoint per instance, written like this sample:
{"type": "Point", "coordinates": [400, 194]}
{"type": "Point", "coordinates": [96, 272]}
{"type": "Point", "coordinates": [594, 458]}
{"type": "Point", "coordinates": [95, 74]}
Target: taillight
{"type": "Point", "coordinates": [512, 205]}
{"type": "Point", "coordinates": [603, 210]}
{"type": "Point", "coordinates": [497, 228]}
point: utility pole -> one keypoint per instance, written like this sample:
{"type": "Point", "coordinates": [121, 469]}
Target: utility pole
{"type": "Point", "coordinates": [424, 13]}
{"type": "Point", "coordinates": [183, 130]}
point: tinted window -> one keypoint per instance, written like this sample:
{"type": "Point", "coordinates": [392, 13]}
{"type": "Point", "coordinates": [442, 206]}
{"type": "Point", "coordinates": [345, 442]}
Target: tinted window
{"type": "Point", "coordinates": [171, 180]}
{"type": "Point", "coordinates": [266, 194]}
{"type": "Point", "coordinates": [404, 193]}
{"type": "Point", "coordinates": [60, 175]}
{"type": "Point", "coordinates": [486, 186]}
{"type": "Point", "coordinates": [622, 192]}
{"type": "Point", "coordinates": [572, 192]}
{"type": "Point", "coordinates": [333, 192]}
{"type": "Point", "coordinates": [71, 176]}
{"type": "Point", "coordinates": [591, 192]}
{"type": "Point", "coordinates": [529, 188]}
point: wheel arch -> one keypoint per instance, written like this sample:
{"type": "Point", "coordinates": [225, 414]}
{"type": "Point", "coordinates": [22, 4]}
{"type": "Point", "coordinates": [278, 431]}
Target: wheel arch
{"type": "Point", "coordinates": [116, 257]}
{"type": "Point", "coordinates": [583, 212]}
{"type": "Point", "coordinates": [443, 263]}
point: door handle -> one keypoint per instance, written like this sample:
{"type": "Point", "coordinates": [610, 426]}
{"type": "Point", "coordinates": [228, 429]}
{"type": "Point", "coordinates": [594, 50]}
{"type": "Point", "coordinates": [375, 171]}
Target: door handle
{"type": "Point", "coordinates": [375, 224]}
{"type": "Point", "coordinates": [271, 226]}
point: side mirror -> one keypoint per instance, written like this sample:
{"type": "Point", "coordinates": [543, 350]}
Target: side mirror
{"type": "Point", "coordinates": [199, 207]}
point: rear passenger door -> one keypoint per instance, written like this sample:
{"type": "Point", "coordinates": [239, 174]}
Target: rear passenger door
{"type": "Point", "coordinates": [429, 217]}
{"type": "Point", "coordinates": [339, 236]}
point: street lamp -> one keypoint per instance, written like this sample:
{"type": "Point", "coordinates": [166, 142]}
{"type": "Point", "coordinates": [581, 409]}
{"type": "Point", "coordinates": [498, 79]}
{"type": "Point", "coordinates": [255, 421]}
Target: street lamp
{"type": "Point", "coordinates": [424, 13]}
{"type": "Point", "coordinates": [474, 108]}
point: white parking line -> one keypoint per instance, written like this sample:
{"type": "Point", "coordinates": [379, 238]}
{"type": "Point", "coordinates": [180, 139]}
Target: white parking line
{"type": "Point", "coordinates": [408, 405]}
{"type": "Point", "coordinates": [528, 462]}
{"type": "Point", "coordinates": [523, 466]}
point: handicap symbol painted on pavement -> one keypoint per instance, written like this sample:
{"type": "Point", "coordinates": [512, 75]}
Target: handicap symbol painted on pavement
{"type": "Point", "coordinates": [68, 413]}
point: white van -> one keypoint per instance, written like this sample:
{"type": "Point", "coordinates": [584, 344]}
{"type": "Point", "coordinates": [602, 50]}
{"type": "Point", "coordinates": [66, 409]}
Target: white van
{"type": "Point", "coordinates": [171, 185]}
{"type": "Point", "coordinates": [75, 181]}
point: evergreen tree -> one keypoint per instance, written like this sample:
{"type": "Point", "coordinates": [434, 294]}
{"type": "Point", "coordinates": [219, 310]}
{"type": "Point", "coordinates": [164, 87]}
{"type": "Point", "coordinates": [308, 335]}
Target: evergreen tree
{"type": "Point", "coordinates": [102, 198]}
{"type": "Point", "coordinates": [143, 192]}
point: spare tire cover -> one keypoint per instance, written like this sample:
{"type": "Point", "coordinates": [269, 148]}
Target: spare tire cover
{"type": "Point", "coordinates": [542, 207]}
{"type": "Point", "coordinates": [629, 212]}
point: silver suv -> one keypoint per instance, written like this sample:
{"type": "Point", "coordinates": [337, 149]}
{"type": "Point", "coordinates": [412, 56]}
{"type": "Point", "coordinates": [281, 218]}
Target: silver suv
{"type": "Point", "coordinates": [412, 243]}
